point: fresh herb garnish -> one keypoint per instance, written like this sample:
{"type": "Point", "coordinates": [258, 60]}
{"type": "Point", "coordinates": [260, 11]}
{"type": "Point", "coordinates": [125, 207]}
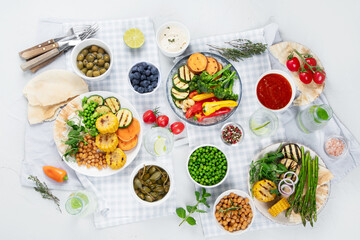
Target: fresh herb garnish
{"type": "Point", "coordinates": [45, 192]}
{"type": "Point", "coordinates": [220, 86]}
{"type": "Point", "coordinates": [231, 208]}
{"type": "Point", "coordinates": [75, 136]}
{"type": "Point", "coordinates": [191, 209]}
{"type": "Point", "coordinates": [241, 48]}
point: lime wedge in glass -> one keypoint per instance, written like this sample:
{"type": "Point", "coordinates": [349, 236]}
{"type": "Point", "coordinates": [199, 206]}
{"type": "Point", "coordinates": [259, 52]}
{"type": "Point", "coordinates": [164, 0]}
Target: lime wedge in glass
{"type": "Point", "coordinates": [259, 129]}
{"type": "Point", "coordinates": [159, 146]}
{"type": "Point", "coordinates": [83, 197]}
{"type": "Point", "coordinates": [76, 203]}
{"type": "Point", "coordinates": [134, 38]}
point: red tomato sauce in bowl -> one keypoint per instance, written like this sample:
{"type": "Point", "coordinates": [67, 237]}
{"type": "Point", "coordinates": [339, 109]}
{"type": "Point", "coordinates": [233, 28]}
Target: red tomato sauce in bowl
{"type": "Point", "coordinates": [274, 91]}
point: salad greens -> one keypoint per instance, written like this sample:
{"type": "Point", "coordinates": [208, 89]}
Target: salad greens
{"type": "Point", "coordinates": [220, 86]}
{"type": "Point", "coordinates": [75, 136]}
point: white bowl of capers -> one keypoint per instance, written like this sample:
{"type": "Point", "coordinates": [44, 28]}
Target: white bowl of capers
{"type": "Point", "coordinates": [92, 60]}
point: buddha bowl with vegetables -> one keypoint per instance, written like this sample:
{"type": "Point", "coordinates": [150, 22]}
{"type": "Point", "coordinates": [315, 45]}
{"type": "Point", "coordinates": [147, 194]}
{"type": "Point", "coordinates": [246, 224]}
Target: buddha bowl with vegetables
{"type": "Point", "coordinates": [207, 166]}
{"type": "Point", "coordinates": [203, 89]}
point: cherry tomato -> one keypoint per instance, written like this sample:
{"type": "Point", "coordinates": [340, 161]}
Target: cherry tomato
{"type": "Point", "coordinates": [306, 77]}
{"type": "Point", "coordinates": [311, 61]}
{"type": "Point", "coordinates": [293, 64]}
{"type": "Point", "coordinates": [162, 121]}
{"type": "Point", "coordinates": [319, 76]}
{"type": "Point", "coordinates": [177, 127]}
{"type": "Point", "coordinates": [149, 116]}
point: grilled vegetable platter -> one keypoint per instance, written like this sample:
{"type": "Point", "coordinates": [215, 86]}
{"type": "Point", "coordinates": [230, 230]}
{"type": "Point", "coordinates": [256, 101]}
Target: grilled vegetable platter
{"type": "Point", "coordinates": [203, 89]}
{"type": "Point", "coordinates": [98, 133]}
{"type": "Point", "coordinates": [289, 183]}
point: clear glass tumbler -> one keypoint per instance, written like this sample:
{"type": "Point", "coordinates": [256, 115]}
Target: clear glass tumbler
{"type": "Point", "coordinates": [81, 203]}
{"type": "Point", "coordinates": [263, 122]}
{"type": "Point", "coordinates": [159, 141]}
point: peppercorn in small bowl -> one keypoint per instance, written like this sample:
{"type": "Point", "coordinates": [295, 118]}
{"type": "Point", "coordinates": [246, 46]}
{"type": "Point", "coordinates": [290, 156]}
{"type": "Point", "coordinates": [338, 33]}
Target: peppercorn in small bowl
{"type": "Point", "coordinates": [232, 133]}
{"type": "Point", "coordinates": [207, 166]}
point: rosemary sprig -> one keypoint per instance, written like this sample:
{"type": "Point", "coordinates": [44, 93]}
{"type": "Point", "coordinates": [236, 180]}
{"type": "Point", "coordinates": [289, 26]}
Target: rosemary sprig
{"type": "Point", "coordinates": [45, 192]}
{"type": "Point", "coordinates": [231, 208]}
{"type": "Point", "coordinates": [240, 49]}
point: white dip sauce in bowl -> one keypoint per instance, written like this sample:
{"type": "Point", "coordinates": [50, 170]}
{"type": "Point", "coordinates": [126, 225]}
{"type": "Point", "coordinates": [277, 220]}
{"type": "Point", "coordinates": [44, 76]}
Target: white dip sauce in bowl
{"type": "Point", "coordinates": [173, 38]}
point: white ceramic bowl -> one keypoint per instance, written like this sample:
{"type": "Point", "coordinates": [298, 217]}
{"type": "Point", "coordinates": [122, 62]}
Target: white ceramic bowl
{"type": "Point", "coordinates": [179, 25]}
{"type": "Point", "coordinates": [236, 125]}
{"type": "Point", "coordinates": [241, 194]}
{"type": "Point", "coordinates": [227, 170]}
{"type": "Point", "coordinates": [131, 86]}
{"type": "Point", "coordinates": [86, 43]}
{"type": "Point", "coordinates": [287, 77]}
{"type": "Point", "coordinates": [131, 184]}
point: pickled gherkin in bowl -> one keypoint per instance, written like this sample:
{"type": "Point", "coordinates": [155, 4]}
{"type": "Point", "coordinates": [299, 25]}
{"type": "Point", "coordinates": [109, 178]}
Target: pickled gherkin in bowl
{"type": "Point", "coordinates": [151, 184]}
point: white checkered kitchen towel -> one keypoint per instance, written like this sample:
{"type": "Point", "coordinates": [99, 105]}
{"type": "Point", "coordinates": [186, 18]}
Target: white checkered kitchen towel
{"type": "Point", "coordinates": [241, 156]}
{"type": "Point", "coordinates": [116, 205]}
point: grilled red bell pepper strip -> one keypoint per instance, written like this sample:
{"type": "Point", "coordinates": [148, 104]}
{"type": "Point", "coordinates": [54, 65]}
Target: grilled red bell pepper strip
{"type": "Point", "coordinates": [219, 112]}
{"type": "Point", "coordinates": [193, 93]}
{"type": "Point", "coordinates": [197, 107]}
{"type": "Point", "coordinates": [54, 173]}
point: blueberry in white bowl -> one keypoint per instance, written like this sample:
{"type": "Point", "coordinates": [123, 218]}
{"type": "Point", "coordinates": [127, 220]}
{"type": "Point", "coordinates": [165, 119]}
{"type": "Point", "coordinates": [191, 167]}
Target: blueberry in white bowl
{"type": "Point", "coordinates": [144, 77]}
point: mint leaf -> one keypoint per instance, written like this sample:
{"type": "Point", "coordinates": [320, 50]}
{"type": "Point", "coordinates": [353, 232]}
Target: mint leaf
{"type": "Point", "coordinates": [191, 221]}
{"type": "Point", "coordinates": [189, 208]}
{"type": "Point", "coordinates": [200, 211]}
{"type": "Point", "coordinates": [181, 212]}
{"type": "Point", "coordinates": [206, 195]}
{"type": "Point", "coordinates": [197, 194]}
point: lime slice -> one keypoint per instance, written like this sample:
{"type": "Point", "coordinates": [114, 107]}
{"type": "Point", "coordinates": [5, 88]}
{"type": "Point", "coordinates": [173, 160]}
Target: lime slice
{"type": "Point", "coordinates": [259, 129]}
{"type": "Point", "coordinates": [83, 197]}
{"type": "Point", "coordinates": [134, 38]}
{"type": "Point", "coordinates": [76, 203]}
{"type": "Point", "coordinates": [159, 146]}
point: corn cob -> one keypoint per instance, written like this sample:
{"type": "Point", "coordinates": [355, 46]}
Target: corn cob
{"type": "Point", "coordinates": [262, 190]}
{"type": "Point", "coordinates": [278, 207]}
{"type": "Point", "coordinates": [107, 123]}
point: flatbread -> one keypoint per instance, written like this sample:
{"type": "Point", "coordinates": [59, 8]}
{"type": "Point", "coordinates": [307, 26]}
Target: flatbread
{"type": "Point", "coordinates": [324, 176]}
{"type": "Point", "coordinates": [61, 129]}
{"type": "Point", "coordinates": [308, 92]}
{"type": "Point", "coordinates": [53, 87]}
{"type": "Point", "coordinates": [38, 114]}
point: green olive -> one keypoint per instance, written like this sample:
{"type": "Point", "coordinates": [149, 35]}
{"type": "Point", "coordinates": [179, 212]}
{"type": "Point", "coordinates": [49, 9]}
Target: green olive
{"type": "Point", "coordinates": [84, 52]}
{"type": "Point", "coordinates": [85, 62]}
{"type": "Point", "coordinates": [100, 50]}
{"type": "Point", "coordinates": [89, 65]}
{"type": "Point", "coordinates": [90, 58]}
{"type": "Point", "coordinates": [102, 71]}
{"type": "Point", "coordinates": [96, 73]}
{"type": "Point", "coordinates": [99, 56]}
{"type": "Point", "coordinates": [80, 57]}
{"type": "Point", "coordinates": [94, 48]}
{"type": "Point", "coordinates": [106, 58]}
{"type": "Point", "coordinates": [101, 62]}
{"type": "Point", "coordinates": [95, 68]}
{"type": "Point", "coordinates": [96, 62]}
{"type": "Point", "coordinates": [84, 70]}
{"type": "Point", "coordinates": [89, 73]}
{"type": "Point", "coordinates": [107, 65]}
{"type": "Point", "coordinates": [94, 53]}
{"type": "Point", "coordinates": [80, 65]}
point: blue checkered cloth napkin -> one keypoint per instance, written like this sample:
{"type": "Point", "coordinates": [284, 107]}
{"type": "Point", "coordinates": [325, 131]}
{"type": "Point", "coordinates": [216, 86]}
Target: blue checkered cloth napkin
{"type": "Point", "coordinates": [241, 155]}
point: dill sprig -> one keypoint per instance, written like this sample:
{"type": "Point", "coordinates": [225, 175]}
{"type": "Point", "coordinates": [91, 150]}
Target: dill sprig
{"type": "Point", "coordinates": [240, 49]}
{"type": "Point", "coordinates": [45, 192]}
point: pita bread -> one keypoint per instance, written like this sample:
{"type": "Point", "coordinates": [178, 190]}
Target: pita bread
{"type": "Point", "coordinates": [38, 114]}
{"type": "Point", "coordinates": [324, 176]}
{"type": "Point", "coordinates": [53, 87]}
{"type": "Point", "coordinates": [61, 129]}
{"type": "Point", "coordinates": [308, 92]}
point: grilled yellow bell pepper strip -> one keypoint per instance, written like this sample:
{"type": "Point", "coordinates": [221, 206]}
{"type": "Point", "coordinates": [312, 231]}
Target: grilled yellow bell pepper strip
{"type": "Point", "coordinates": [202, 96]}
{"type": "Point", "coordinates": [210, 107]}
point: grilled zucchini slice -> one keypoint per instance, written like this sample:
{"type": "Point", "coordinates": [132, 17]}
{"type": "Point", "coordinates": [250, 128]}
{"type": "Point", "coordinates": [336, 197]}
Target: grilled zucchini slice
{"type": "Point", "coordinates": [177, 95]}
{"type": "Point", "coordinates": [179, 85]}
{"type": "Point", "coordinates": [185, 75]}
{"type": "Point", "coordinates": [96, 98]}
{"type": "Point", "coordinates": [103, 109]}
{"type": "Point", "coordinates": [178, 104]}
{"type": "Point", "coordinates": [125, 117]}
{"type": "Point", "coordinates": [291, 165]}
{"type": "Point", "coordinates": [113, 103]}
{"type": "Point", "coordinates": [292, 151]}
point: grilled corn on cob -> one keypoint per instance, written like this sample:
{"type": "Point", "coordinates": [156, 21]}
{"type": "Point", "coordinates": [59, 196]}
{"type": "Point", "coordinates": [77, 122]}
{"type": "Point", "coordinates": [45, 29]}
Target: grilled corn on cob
{"type": "Point", "coordinates": [278, 207]}
{"type": "Point", "coordinates": [107, 123]}
{"type": "Point", "coordinates": [116, 159]}
{"type": "Point", "coordinates": [261, 190]}
{"type": "Point", "coordinates": [107, 142]}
